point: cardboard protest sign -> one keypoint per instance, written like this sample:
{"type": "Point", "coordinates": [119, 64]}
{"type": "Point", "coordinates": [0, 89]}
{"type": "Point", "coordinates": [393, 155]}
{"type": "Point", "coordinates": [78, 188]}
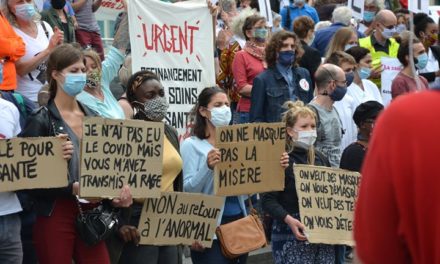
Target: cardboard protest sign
{"type": "Point", "coordinates": [32, 163]}
{"type": "Point", "coordinates": [391, 67]}
{"type": "Point", "coordinates": [175, 41]}
{"type": "Point", "coordinates": [326, 198]}
{"type": "Point", "coordinates": [180, 218]}
{"type": "Point", "coordinates": [120, 152]}
{"type": "Point", "coordinates": [109, 10]}
{"type": "Point", "coordinates": [250, 158]}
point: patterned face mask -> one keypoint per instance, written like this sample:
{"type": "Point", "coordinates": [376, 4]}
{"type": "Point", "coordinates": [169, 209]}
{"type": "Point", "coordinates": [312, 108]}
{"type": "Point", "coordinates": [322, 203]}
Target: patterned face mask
{"type": "Point", "coordinates": [156, 108]}
{"type": "Point", "coordinates": [93, 79]}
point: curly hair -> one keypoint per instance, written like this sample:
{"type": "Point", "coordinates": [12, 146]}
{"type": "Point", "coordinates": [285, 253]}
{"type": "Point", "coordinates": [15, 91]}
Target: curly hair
{"type": "Point", "coordinates": [276, 43]}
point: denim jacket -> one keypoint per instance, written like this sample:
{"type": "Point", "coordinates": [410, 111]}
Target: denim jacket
{"type": "Point", "coordinates": [270, 91]}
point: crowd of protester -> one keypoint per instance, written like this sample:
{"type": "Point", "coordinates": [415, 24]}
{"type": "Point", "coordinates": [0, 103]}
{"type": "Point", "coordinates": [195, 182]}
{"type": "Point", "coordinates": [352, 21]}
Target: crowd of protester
{"type": "Point", "coordinates": [316, 69]}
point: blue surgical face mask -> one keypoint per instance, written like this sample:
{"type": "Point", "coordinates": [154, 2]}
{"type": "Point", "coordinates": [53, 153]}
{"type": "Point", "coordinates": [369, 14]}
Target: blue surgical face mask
{"type": "Point", "coordinates": [74, 83]}
{"type": "Point", "coordinates": [369, 16]}
{"type": "Point", "coordinates": [260, 35]}
{"type": "Point", "coordinates": [338, 93]}
{"type": "Point", "coordinates": [422, 60]}
{"type": "Point", "coordinates": [400, 28]}
{"type": "Point", "coordinates": [221, 116]}
{"type": "Point", "coordinates": [388, 33]}
{"type": "Point", "coordinates": [364, 73]}
{"type": "Point", "coordinates": [286, 58]}
{"type": "Point", "coordinates": [25, 11]}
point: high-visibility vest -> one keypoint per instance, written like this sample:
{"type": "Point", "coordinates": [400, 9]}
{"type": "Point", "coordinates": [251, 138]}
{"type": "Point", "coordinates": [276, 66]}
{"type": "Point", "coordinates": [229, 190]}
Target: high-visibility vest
{"type": "Point", "coordinates": [393, 48]}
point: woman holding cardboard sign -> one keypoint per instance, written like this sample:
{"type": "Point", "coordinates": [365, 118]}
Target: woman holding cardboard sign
{"type": "Point", "coordinates": [55, 237]}
{"type": "Point", "coordinates": [289, 240]}
{"type": "Point", "coordinates": [199, 159]}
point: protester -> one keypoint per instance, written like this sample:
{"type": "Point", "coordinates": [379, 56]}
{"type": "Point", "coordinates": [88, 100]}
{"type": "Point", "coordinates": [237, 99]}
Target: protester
{"type": "Point", "coordinates": [407, 80]}
{"type": "Point", "coordinates": [304, 28]}
{"type": "Point", "coordinates": [276, 23]}
{"type": "Point", "coordinates": [289, 241]}
{"type": "Point", "coordinates": [249, 62]}
{"type": "Point", "coordinates": [10, 242]}
{"type": "Point", "coordinates": [362, 89]}
{"type": "Point", "coordinates": [364, 116]}
{"type": "Point", "coordinates": [427, 31]}
{"type": "Point", "coordinates": [296, 8]}
{"type": "Point", "coordinates": [39, 39]}
{"type": "Point", "coordinates": [282, 81]}
{"type": "Point", "coordinates": [55, 237]}
{"type": "Point", "coordinates": [57, 17]}
{"type": "Point", "coordinates": [342, 40]}
{"type": "Point", "coordinates": [381, 43]}
{"type": "Point", "coordinates": [371, 8]}
{"type": "Point", "coordinates": [341, 18]}
{"type": "Point", "coordinates": [400, 185]}
{"type": "Point", "coordinates": [147, 96]}
{"type": "Point", "coordinates": [87, 34]}
{"type": "Point", "coordinates": [97, 95]}
{"type": "Point", "coordinates": [228, 11]}
{"type": "Point", "coordinates": [12, 48]}
{"type": "Point", "coordinates": [67, 8]}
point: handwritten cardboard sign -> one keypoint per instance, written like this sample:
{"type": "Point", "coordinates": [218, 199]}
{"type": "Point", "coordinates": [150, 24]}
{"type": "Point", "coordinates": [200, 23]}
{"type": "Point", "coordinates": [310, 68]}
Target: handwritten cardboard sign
{"type": "Point", "coordinates": [32, 163]}
{"type": "Point", "coordinates": [391, 67]}
{"type": "Point", "coordinates": [120, 152]}
{"type": "Point", "coordinates": [175, 41]}
{"type": "Point", "coordinates": [180, 218]}
{"type": "Point", "coordinates": [326, 198]}
{"type": "Point", "coordinates": [250, 158]}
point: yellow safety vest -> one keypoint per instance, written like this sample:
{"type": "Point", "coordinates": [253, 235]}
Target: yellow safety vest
{"type": "Point", "coordinates": [393, 48]}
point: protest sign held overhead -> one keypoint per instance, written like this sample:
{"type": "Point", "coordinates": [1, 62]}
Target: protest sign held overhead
{"type": "Point", "coordinates": [175, 41]}
{"type": "Point", "coordinates": [119, 152]}
{"type": "Point", "coordinates": [326, 199]}
{"type": "Point", "coordinates": [32, 163]}
{"type": "Point", "coordinates": [180, 218]}
{"type": "Point", "coordinates": [250, 158]}
{"type": "Point", "coordinates": [109, 10]}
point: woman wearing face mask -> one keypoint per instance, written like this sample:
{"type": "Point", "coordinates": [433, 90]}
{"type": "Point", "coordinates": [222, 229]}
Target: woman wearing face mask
{"type": "Point", "coordinates": [57, 17]}
{"type": "Point", "coordinates": [344, 39]}
{"type": "Point", "coordinates": [249, 62]}
{"type": "Point", "coordinates": [289, 241]}
{"type": "Point", "coordinates": [147, 96]}
{"type": "Point", "coordinates": [283, 80]}
{"type": "Point", "coordinates": [97, 94]}
{"type": "Point", "coordinates": [40, 41]}
{"type": "Point", "coordinates": [427, 31]}
{"type": "Point", "coordinates": [406, 81]}
{"type": "Point", "coordinates": [304, 28]}
{"type": "Point", "coordinates": [199, 159]}
{"type": "Point", "coordinates": [55, 238]}
{"type": "Point", "coordinates": [362, 89]}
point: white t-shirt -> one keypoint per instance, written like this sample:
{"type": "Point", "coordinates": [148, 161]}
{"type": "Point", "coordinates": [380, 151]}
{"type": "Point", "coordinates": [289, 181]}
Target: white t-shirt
{"type": "Point", "coordinates": [432, 66]}
{"type": "Point", "coordinates": [9, 127]}
{"type": "Point", "coordinates": [370, 93]}
{"type": "Point", "coordinates": [345, 109]}
{"type": "Point", "coordinates": [30, 84]}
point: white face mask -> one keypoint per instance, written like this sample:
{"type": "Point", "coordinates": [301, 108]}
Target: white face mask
{"type": "Point", "coordinates": [307, 138]}
{"type": "Point", "coordinates": [221, 116]}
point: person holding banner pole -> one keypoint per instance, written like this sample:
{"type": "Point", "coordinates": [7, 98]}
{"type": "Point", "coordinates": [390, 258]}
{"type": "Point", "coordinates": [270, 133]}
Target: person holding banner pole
{"type": "Point", "coordinates": [55, 237]}
{"type": "Point", "coordinates": [289, 236]}
{"type": "Point", "coordinates": [146, 95]}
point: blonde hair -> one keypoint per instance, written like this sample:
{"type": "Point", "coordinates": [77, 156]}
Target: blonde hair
{"type": "Point", "coordinates": [294, 111]}
{"type": "Point", "coordinates": [90, 53]}
{"type": "Point", "coordinates": [11, 17]}
{"type": "Point", "coordinates": [339, 40]}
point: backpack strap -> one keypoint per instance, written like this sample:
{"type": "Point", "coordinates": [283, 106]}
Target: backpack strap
{"type": "Point", "coordinates": [45, 29]}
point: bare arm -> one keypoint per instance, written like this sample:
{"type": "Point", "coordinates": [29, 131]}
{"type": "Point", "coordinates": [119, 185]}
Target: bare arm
{"type": "Point", "coordinates": [246, 90]}
{"type": "Point", "coordinates": [122, 36]}
{"type": "Point", "coordinates": [96, 5]}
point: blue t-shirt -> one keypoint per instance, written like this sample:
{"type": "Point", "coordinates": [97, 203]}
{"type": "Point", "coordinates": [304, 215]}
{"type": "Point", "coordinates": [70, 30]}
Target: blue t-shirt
{"type": "Point", "coordinates": [295, 12]}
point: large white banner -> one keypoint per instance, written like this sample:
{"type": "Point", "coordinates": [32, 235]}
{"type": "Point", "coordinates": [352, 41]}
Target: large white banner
{"type": "Point", "coordinates": [176, 42]}
{"type": "Point", "coordinates": [109, 10]}
{"type": "Point", "coordinates": [391, 67]}
{"type": "Point", "coordinates": [418, 6]}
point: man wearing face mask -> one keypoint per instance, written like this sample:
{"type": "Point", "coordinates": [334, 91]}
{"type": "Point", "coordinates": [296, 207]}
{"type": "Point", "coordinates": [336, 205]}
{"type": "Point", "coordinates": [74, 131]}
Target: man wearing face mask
{"type": "Point", "coordinates": [371, 7]}
{"type": "Point", "coordinates": [12, 48]}
{"type": "Point", "coordinates": [331, 86]}
{"type": "Point", "coordinates": [283, 80]}
{"type": "Point", "coordinates": [295, 9]}
{"type": "Point", "coordinates": [381, 43]}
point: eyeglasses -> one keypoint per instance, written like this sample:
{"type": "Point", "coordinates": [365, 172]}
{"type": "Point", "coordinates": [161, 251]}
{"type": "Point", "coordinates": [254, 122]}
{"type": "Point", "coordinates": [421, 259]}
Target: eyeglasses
{"type": "Point", "coordinates": [334, 79]}
{"type": "Point", "coordinates": [389, 27]}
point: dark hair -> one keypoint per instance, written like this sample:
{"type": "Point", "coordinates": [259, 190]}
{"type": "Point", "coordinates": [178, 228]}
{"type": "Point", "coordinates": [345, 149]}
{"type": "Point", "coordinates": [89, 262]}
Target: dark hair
{"type": "Point", "coordinates": [61, 57]}
{"type": "Point", "coordinates": [136, 80]}
{"type": "Point", "coordinates": [404, 50]}
{"type": "Point", "coordinates": [421, 21]}
{"type": "Point", "coordinates": [358, 53]}
{"type": "Point", "coordinates": [323, 76]}
{"type": "Point", "coordinates": [250, 22]}
{"type": "Point", "coordinates": [339, 57]}
{"type": "Point", "coordinates": [302, 25]}
{"type": "Point", "coordinates": [276, 43]}
{"type": "Point", "coordinates": [203, 100]}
